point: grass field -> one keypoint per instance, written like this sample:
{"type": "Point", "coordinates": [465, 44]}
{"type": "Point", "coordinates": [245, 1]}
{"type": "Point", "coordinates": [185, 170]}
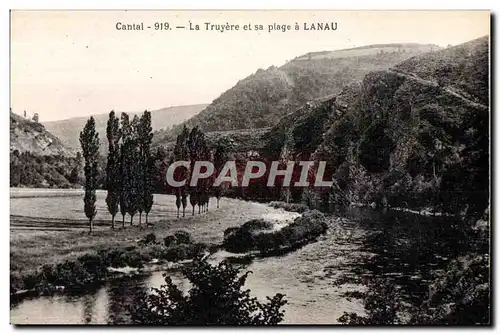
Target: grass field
{"type": "Point", "coordinates": [49, 226]}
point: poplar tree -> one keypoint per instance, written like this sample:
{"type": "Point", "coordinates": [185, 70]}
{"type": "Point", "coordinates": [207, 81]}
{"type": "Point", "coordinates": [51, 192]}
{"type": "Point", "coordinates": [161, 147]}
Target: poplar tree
{"type": "Point", "coordinates": [181, 154]}
{"type": "Point", "coordinates": [124, 169]}
{"type": "Point", "coordinates": [221, 155]}
{"type": "Point", "coordinates": [287, 154]}
{"type": "Point", "coordinates": [113, 172]}
{"type": "Point", "coordinates": [89, 141]}
{"type": "Point", "coordinates": [194, 145]}
{"type": "Point", "coordinates": [204, 184]}
{"type": "Point", "coordinates": [145, 137]}
{"type": "Point", "coordinates": [134, 171]}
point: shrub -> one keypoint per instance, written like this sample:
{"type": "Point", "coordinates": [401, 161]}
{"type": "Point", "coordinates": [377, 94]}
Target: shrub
{"type": "Point", "coordinates": [216, 297]}
{"type": "Point", "coordinates": [181, 252]}
{"type": "Point", "coordinates": [302, 230]}
{"type": "Point", "coordinates": [16, 282]}
{"type": "Point", "coordinates": [241, 239]}
{"type": "Point", "coordinates": [183, 237]}
{"type": "Point", "coordinates": [170, 240]}
{"type": "Point", "coordinates": [149, 239]}
{"type": "Point", "coordinates": [460, 296]}
{"type": "Point", "coordinates": [257, 224]}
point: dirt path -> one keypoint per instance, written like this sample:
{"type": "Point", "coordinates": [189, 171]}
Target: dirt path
{"type": "Point", "coordinates": [452, 91]}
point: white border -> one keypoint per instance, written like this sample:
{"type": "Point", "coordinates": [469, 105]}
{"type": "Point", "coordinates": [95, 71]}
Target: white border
{"type": "Point", "coordinates": [196, 4]}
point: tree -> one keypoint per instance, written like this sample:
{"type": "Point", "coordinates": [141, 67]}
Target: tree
{"type": "Point", "coordinates": [216, 297]}
{"type": "Point", "coordinates": [124, 168]}
{"type": "Point", "coordinates": [89, 141]}
{"type": "Point", "coordinates": [134, 171]}
{"type": "Point", "coordinates": [204, 184]}
{"type": "Point", "coordinates": [113, 174]}
{"type": "Point", "coordinates": [145, 137]}
{"type": "Point", "coordinates": [223, 148]}
{"type": "Point", "coordinates": [287, 154]}
{"type": "Point", "coordinates": [181, 153]}
{"type": "Point", "coordinates": [195, 142]}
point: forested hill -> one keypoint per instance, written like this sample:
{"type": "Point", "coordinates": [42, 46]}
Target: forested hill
{"type": "Point", "coordinates": [262, 99]}
{"type": "Point", "coordinates": [414, 135]}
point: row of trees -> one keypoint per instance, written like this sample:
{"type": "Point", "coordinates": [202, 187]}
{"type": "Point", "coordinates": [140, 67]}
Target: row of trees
{"type": "Point", "coordinates": [132, 171]}
{"type": "Point", "coordinates": [129, 168]}
{"type": "Point", "coordinates": [192, 146]}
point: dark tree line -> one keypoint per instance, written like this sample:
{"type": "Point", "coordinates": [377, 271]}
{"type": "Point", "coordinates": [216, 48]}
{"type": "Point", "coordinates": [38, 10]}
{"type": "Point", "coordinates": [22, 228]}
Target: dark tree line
{"type": "Point", "coordinates": [55, 171]}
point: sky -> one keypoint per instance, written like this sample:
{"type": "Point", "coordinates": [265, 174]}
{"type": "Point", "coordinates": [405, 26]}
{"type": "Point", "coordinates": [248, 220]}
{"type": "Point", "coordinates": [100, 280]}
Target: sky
{"type": "Point", "coordinates": [77, 63]}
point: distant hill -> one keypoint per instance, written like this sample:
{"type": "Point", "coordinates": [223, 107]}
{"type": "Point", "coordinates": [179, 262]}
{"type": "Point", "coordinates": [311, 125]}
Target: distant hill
{"type": "Point", "coordinates": [68, 130]}
{"type": "Point", "coordinates": [415, 135]}
{"type": "Point", "coordinates": [263, 98]}
{"type": "Point", "coordinates": [32, 137]}
{"type": "Point", "coordinates": [370, 50]}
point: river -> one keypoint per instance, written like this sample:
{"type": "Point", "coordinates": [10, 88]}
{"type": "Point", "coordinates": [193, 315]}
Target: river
{"type": "Point", "coordinates": [393, 245]}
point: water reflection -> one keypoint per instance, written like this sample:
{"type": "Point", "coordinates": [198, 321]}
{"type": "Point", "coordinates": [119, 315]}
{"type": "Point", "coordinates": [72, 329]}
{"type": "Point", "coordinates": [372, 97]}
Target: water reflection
{"type": "Point", "coordinates": [408, 249]}
{"type": "Point", "coordinates": [90, 308]}
{"type": "Point", "coordinates": [394, 246]}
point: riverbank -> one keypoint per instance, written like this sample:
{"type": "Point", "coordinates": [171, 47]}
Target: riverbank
{"type": "Point", "coordinates": [49, 246]}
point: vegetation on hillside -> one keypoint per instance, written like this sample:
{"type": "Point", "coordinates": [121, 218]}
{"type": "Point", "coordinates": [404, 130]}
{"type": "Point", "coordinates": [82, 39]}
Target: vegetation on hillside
{"type": "Point", "coordinates": [415, 137]}
{"type": "Point", "coordinates": [263, 98]}
{"type": "Point", "coordinates": [400, 140]}
{"type": "Point", "coordinates": [49, 171]}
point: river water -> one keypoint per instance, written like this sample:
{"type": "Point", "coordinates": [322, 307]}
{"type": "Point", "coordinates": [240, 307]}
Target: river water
{"type": "Point", "coordinates": [402, 247]}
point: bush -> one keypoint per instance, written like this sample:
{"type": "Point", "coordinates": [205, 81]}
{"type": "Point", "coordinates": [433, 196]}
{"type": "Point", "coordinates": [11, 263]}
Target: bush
{"type": "Point", "coordinates": [16, 282]}
{"type": "Point", "coordinates": [149, 239]}
{"type": "Point", "coordinates": [257, 224]}
{"type": "Point", "coordinates": [302, 230]}
{"type": "Point", "coordinates": [460, 296]}
{"type": "Point", "coordinates": [183, 237]}
{"type": "Point", "coordinates": [241, 239]}
{"type": "Point", "coordinates": [216, 297]}
{"type": "Point", "coordinates": [170, 240]}
{"type": "Point", "coordinates": [181, 252]}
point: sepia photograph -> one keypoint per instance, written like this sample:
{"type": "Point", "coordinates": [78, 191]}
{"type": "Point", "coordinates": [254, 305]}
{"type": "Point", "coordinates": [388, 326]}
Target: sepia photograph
{"type": "Point", "coordinates": [250, 167]}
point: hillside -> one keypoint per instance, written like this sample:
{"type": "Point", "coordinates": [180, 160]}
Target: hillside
{"type": "Point", "coordinates": [414, 135]}
{"type": "Point", "coordinates": [28, 136]}
{"type": "Point", "coordinates": [245, 141]}
{"type": "Point", "coordinates": [68, 130]}
{"type": "Point", "coordinates": [39, 159]}
{"type": "Point", "coordinates": [263, 98]}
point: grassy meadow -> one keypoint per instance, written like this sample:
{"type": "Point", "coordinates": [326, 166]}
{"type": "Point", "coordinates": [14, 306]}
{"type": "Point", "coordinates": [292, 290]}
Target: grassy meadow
{"type": "Point", "coordinates": [49, 226]}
